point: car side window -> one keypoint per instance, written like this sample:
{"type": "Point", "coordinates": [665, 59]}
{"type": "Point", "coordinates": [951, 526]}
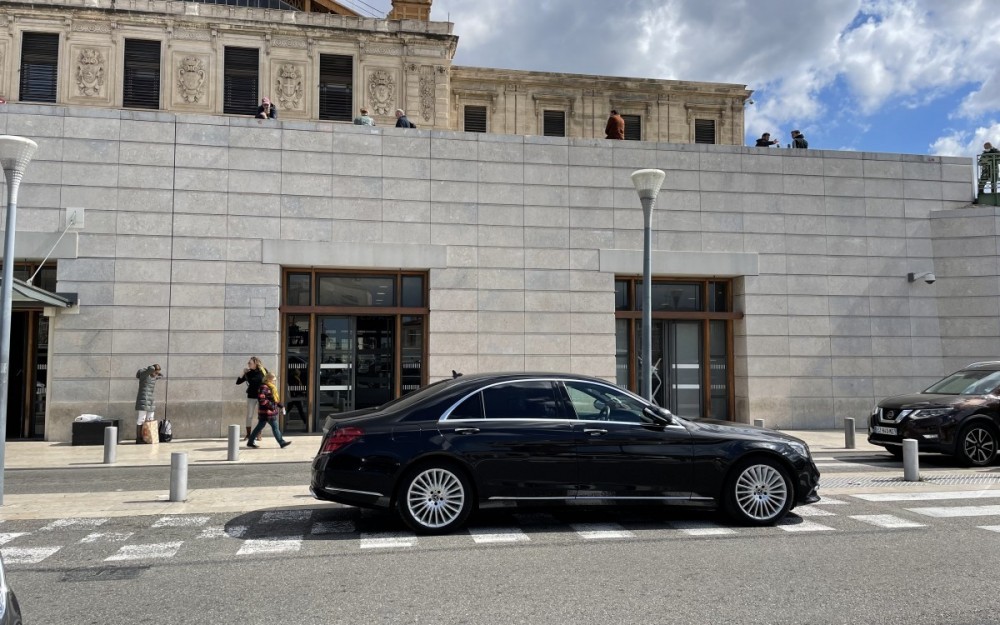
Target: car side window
{"type": "Point", "coordinates": [524, 399]}
{"type": "Point", "coordinates": [594, 402]}
{"type": "Point", "coordinates": [470, 408]}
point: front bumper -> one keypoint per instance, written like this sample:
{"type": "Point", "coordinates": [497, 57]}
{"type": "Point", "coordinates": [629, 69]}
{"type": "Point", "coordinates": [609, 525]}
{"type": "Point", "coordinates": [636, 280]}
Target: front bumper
{"type": "Point", "coordinates": [807, 489]}
{"type": "Point", "coordinates": [932, 435]}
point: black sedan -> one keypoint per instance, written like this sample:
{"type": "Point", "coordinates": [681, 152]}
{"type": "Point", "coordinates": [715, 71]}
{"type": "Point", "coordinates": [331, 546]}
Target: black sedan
{"type": "Point", "coordinates": [436, 454]}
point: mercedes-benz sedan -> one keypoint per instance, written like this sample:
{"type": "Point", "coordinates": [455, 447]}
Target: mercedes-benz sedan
{"type": "Point", "coordinates": [438, 453]}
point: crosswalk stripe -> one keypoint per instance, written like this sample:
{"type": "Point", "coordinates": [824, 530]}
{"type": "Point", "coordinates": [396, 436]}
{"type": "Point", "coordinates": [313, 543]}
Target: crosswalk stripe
{"type": "Point", "coordinates": [109, 537]}
{"type": "Point", "coordinates": [387, 540]}
{"type": "Point", "coordinates": [27, 555]}
{"type": "Point", "coordinates": [804, 526]}
{"type": "Point", "coordinates": [6, 537]}
{"type": "Point", "coordinates": [232, 531]}
{"type": "Point", "coordinates": [282, 544]}
{"type": "Point", "coordinates": [181, 521]}
{"type": "Point", "coordinates": [958, 511]}
{"type": "Point", "coordinates": [143, 552]}
{"type": "Point", "coordinates": [809, 511]}
{"type": "Point", "coordinates": [701, 528]}
{"type": "Point", "coordinates": [992, 528]}
{"type": "Point", "coordinates": [286, 516]}
{"type": "Point", "coordinates": [489, 535]}
{"type": "Point", "coordinates": [331, 527]}
{"type": "Point", "coordinates": [829, 501]}
{"type": "Point", "coordinates": [600, 531]}
{"type": "Point", "coordinates": [929, 495]}
{"type": "Point", "coordinates": [73, 523]}
{"type": "Point", "coordinates": [886, 520]}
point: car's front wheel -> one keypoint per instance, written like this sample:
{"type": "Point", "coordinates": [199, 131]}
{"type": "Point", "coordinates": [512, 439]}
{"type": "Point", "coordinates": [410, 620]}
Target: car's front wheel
{"type": "Point", "coordinates": [758, 492]}
{"type": "Point", "coordinates": [977, 445]}
{"type": "Point", "coordinates": [435, 499]}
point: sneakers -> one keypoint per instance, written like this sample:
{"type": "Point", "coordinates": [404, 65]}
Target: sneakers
{"type": "Point", "coordinates": [285, 444]}
{"type": "Point", "coordinates": [251, 445]}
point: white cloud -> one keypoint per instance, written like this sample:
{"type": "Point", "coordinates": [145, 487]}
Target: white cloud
{"type": "Point", "coordinates": [963, 143]}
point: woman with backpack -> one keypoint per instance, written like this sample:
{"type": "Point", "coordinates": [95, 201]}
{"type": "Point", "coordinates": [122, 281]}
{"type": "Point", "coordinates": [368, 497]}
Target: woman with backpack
{"type": "Point", "coordinates": [268, 409]}
{"type": "Point", "coordinates": [253, 375]}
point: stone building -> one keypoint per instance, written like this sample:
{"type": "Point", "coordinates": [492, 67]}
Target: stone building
{"type": "Point", "coordinates": [362, 262]}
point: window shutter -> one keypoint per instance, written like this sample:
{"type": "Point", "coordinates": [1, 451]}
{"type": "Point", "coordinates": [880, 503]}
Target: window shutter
{"type": "Point", "coordinates": [39, 66]}
{"type": "Point", "coordinates": [475, 119]}
{"type": "Point", "coordinates": [704, 131]}
{"type": "Point", "coordinates": [141, 76]}
{"type": "Point", "coordinates": [239, 82]}
{"type": "Point", "coordinates": [554, 123]}
{"type": "Point", "coordinates": [336, 87]}
{"type": "Point", "coordinates": [633, 127]}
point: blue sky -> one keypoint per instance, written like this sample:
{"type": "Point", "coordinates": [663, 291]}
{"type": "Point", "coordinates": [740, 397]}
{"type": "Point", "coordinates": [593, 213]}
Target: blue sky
{"type": "Point", "coordinates": [912, 76]}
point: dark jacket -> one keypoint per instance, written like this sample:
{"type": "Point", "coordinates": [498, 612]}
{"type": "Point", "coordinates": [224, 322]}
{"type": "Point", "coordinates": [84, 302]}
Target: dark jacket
{"type": "Point", "coordinates": [267, 408]}
{"type": "Point", "coordinates": [403, 122]}
{"type": "Point", "coordinates": [765, 143]}
{"type": "Point", "coordinates": [800, 141]}
{"type": "Point", "coordinates": [144, 399]}
{"type": "Point", "coordinates": [254, 378]}
{"type": "Point", "coordinates": [615, 128]}
{"type": "Point", "coordinates": [273, 112]}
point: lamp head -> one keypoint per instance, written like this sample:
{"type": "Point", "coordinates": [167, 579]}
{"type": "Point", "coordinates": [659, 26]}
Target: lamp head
{"type": "Point", "coordinates": [16, 153]}
{"type": "Point", "coordinates": [648, 182]}
{"type": "Point", "coordinates": [928, 277]}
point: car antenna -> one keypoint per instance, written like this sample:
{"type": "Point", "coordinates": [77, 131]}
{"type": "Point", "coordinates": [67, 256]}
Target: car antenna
{"type": "Point", "coordinates": [455, 374]}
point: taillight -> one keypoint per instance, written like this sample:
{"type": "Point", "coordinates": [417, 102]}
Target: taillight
{"type": "Point", "coordinates": [340, 438]}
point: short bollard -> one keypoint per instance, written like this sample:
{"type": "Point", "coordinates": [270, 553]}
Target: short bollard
{"type": "Point", "coordinates": [178, 476]}
{"type": "Point", "coordinates": [759, 423]}
{"type": "Point", "coordinates": [110, 445]}
{"type": "Point", "coordinates": [234, 443]}
{"type": "Point", "coordinates": [911, 460]}
{"type": "Point", "coordinates": [849, 433]}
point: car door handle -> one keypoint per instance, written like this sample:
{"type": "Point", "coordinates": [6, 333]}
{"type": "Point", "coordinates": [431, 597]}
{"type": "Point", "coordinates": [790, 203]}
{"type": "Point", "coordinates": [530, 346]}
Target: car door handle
{"type": "Point", "coordinates": [594, 431]}
{"type": "Point", "coordinates": [466, 430]}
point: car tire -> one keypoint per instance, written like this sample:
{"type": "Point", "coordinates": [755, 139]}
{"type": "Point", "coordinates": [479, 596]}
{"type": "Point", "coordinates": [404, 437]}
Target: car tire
{"type": "Point", "coordinates": [758, 492]}
{"type": "Point", "coordinates": [976, 445]}
{"type": "Point", "coordinates": [894, 451]}
{"type": "Point", "coordinates": [434, 499]}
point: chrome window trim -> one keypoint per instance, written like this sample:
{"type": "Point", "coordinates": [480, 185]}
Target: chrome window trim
{"type": "Point", "coordinates": [447, 413]}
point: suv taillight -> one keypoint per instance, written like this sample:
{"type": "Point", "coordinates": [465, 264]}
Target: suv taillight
{"type": "Point", "coordinates": [340, 438]}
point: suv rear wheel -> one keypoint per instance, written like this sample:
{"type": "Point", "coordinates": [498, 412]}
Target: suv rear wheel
{"type": "Point", "coordinates": [977, 444]}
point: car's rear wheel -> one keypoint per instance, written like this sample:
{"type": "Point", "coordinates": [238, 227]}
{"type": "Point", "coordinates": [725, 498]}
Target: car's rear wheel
{"type": "Point", "coordinates": [758, 492]}
{"type": "Point", "coordinates": [435, 499]}
{"type": "Point", "coordinates": [896, 452]}
{"type": "Point", "coordinates": [977, 444]}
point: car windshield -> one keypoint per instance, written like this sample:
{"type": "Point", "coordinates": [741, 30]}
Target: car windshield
{"type": "Point", "coordinates": [968, 382]}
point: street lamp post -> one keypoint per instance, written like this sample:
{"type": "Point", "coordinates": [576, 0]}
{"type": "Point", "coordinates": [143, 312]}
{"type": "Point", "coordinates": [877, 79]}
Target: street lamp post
{"type": "Point", "coordinates": [15, 154]}
{"type": "Point", "coordinates": [647, 184]}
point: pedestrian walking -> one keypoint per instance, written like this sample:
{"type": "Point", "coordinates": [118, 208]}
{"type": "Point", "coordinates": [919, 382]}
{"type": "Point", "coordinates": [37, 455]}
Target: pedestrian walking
{"type": "Point", "coordinates": [402, 121]}
{"type": "Point", "coordinates": [364, 119]}
{"type": "Point", "coordinates": [987, 169]}
{"type": "Point", "coordinates": [799, 140]}
{"type": "Point", "coordinates": [145, 404]}
{"type": "Point", "coordinates": [253, 375]}
{"type": "Point", "coordinates": [267, 110]}
{"type": "Point", "coordinates": [615, 129]}
{"type": "Point", "coordinates": [268, 409]}
{"type": "Point", "coordinates": [766, 142]}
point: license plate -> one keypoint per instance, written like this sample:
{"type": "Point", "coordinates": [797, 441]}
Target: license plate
{"type": "Point", "coordinates": [878, 429]}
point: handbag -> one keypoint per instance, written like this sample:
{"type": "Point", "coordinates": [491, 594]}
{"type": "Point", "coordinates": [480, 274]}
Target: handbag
{"type": "Point", "coordinates": [150, 432]}
{"type": "Point", "coordinates": [166, 431]}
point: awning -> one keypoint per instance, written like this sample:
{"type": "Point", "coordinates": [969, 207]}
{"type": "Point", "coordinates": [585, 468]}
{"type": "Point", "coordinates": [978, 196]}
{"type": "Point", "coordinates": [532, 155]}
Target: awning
{"type": "Point", "coordinates": [27, 296]}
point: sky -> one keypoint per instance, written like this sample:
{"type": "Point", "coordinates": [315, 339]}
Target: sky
{"type": "Point", "coordinates": [908, 76]}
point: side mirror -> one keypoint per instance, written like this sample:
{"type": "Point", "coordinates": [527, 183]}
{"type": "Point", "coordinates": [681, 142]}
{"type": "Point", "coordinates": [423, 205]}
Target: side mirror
{"type": "Point", "coordinates": [660, 414]}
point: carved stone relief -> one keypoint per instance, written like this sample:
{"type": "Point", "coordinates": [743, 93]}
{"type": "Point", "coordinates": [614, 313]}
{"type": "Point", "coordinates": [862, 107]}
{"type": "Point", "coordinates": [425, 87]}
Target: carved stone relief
{"type": "Point", "coordinates": [191, 75]}
{"type": "Point", "coordinates": [381, 91]}
{"type": "Point", "coordinates": [191, 35]}
{"type": "Point", "coordinates": [92, 27]}
{"type": "Point", "coordinates": [288, 86]}
{"type": "Point", "coordinates": [90, 71]}
{"type": "Point", "coordinates": [427, 92]}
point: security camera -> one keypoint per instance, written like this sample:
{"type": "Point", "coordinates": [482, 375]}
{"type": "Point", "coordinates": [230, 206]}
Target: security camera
{"type": "Point", "coordinates": [928, 277]}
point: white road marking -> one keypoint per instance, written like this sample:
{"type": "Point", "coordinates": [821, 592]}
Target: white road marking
{"type": "Point", "coordinates": [930, 495]}
{"type": "Point", "coordinates": [73, 523]}
{"type": "Point", "coordinates": [283, 544]}
{"type": "Point", "coordinates": [233, 531]}
{"type": "Point", "coordinates": [842, 463]}
{"type": "Point", "coordinates": [110, 537]}
{"type": "Point", "coordinates": [286, 516]}
{"type": "Point", "coordinates": [886, 520]}
{"type": "Point", "coordinates": [958, 511]}
{"type": "Point", "coordinates": [601, 531]}
{"type": "Point", "coordinates": [992, 528]}
{"type": "Point", "coordinates": [804, 526]}
{"type": "Point", "coordinates": [701, 528]}
{"type": "Point", "coordinates": [181, 521]}
{"type": "Point", "coordinates": [829, 501]}
{"type": "Point", "coordinates": [809, 511]}
{"type": "Point", "coordinates": [144, 552]}
{"type": "Point", "coordinates": [385, 540]}
{"type": "Point", "coordinates": [488, 535]}
{"type": "Point", "coordinates": [9, 536]}
{"type": "Point", "coordinates": [27, 555]}
{"type": "Point", "coordinates": [332, 527]}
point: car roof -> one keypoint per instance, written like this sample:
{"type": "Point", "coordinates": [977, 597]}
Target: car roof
{"type": "Point", "coordinates": [989, 365]}
{"type": "Point", "coordinates": [519, 375]}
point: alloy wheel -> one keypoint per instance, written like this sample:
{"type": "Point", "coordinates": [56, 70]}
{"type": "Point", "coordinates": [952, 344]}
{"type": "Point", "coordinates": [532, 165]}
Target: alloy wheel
{"type": "Point", "coordinates": [979, 445]}
{"type": "Point", "coordinates": [435, 498]}
{"type": "Point", "coordinates": [761, 492]}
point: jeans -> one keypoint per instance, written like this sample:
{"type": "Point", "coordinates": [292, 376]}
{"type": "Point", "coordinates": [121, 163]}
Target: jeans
{"type": "Point", "coordinates": [274, 428]}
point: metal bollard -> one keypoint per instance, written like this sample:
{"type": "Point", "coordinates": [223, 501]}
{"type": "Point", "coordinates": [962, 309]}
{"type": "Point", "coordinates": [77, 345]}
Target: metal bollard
{"type": "Point", "coordinates": [178, 476]}
{"type": "Point", "coordinates": [234, 443]}
{"type": "Point", "coordinates": [911, 460]}
{"type": "Point", "coordinates": [849, 433]}
{"type": "Point", "coordinates": [110, 444]}
{"type": "Point", "coordinates": [758, 423]}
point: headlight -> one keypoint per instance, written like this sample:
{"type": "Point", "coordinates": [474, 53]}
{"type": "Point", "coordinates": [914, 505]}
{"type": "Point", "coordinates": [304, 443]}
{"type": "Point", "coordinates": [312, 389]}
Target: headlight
{"type": "Point", "coordinates": [928, 413]}
{"type": "Point", "coordinates": [800, 448]}
{"type": "Point", "coordinates": [875, 410]}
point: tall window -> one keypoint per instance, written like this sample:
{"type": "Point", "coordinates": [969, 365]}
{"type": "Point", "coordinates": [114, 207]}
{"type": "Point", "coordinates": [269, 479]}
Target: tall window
{"type": "Point", "coordinates": [633, 127]}
{"type": "Point", "coordinates": [39, 67]}
{"type": "Point", "coordinates": [704, 131]}
{"type": "Point", "coordinates": [141, 74]}
{"type": "Point", "coordinates": [475, 119]}
{"type": "Point", "coordinates": [554, 123]}
{"type": "Point", "coordinates": [240, 81]}
{"type": "Point", "coordinates": [336, 87]}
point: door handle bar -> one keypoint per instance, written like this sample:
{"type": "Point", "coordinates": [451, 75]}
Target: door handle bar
{"type": "Point", "coordinates": [466, 430]}
{"type": "Point", "coordinates": [594, 431]}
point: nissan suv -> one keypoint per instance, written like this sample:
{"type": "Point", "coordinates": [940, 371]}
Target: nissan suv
{"type": "Point", "coordinates": [959, 416]}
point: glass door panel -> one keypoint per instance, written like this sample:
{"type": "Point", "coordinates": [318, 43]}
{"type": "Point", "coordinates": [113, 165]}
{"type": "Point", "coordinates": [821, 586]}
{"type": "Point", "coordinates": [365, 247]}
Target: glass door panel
{"type": "Point", "coordinates": [296, 397]}
{"type": "Point", "coordinates": [412, 353]}
{"type": "Point", "coordinates": [374, 364]}
{"type": "Point", "coordinates": [676, 363]}
{"type": "Point", "coordinates": [335, 373]}
{"type": "Point", "coordinates": [719, 374]}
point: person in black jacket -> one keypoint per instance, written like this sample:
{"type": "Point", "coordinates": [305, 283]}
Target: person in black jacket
{"type": "Point", "coordinates": [402, 121]}
{"type": "Point", "coordinates": [799, 140]}
{"type": "Point", "coordinates": [765, 141]}
{"type": "Point", "coordinates": [253, 375]}
{"type": "Point", "coordinates": [266, 110]}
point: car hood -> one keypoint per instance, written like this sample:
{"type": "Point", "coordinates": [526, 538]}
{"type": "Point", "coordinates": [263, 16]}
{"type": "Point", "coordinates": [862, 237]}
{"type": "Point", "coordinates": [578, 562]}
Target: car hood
{"type": "Point", "coordinates": [740, 431]}
{"type": "Point", "coordinates": [928, 400]}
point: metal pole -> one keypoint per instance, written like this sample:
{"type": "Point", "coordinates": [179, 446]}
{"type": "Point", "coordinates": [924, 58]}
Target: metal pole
{"type": "Point", "coordinates": [178, 476]}
{"type": "Point", "coordinates": [849, 433]}
{"type": "Point", "coordinates": [234, 443]}
{"type": "Point", "coordinates": [110, 444]}
{"type": "Point", "coordinates": [647, 297]}
{"type": "Point", "coordinates": [911, 460]}
{"type": "Point", "coordinates": [758, 423]}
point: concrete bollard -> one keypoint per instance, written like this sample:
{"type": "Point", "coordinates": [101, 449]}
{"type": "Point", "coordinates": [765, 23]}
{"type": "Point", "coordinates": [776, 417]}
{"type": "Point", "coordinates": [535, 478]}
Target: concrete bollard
{"type": "Point", "coordinates": [849, 433]}
{"type": "Point", "coordinates": [110, 445]}
{"type": "Point", "coordinates": [178, 476]}
{"type": "Point", "coordinates": [911, 460]}
{"type": "Point", "coordinates": [758, 423]}
{"type": "Point", "coordinates": [234, 443]}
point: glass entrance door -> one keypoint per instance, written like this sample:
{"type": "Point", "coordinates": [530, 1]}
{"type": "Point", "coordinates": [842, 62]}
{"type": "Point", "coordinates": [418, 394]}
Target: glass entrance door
{"type": "Point", "coordinates": [335, 354]}
{"type": "Point", "coordinates": [356, 363]}
{"type": "Point", "coordinates": [677, 368]}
